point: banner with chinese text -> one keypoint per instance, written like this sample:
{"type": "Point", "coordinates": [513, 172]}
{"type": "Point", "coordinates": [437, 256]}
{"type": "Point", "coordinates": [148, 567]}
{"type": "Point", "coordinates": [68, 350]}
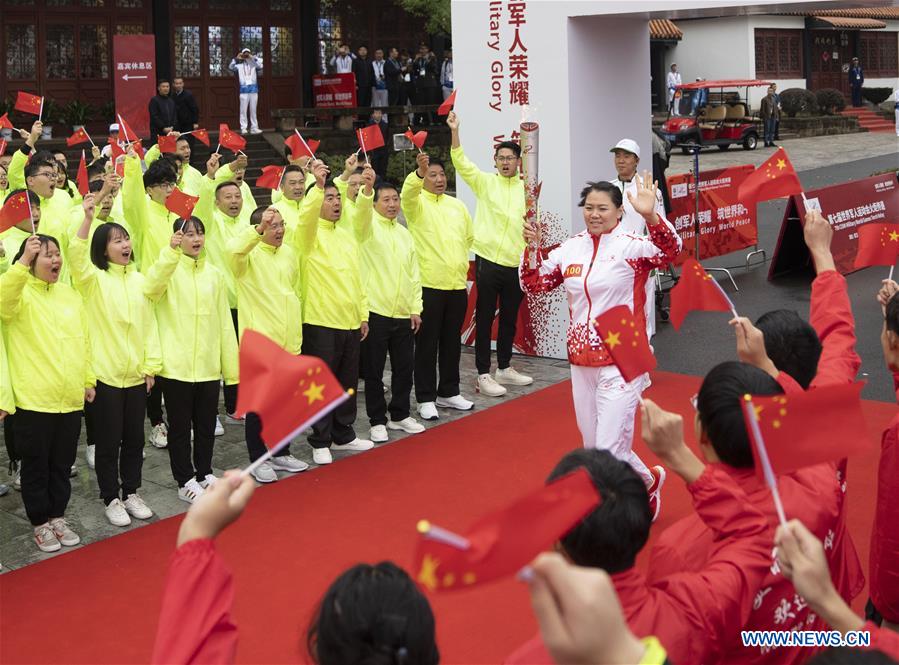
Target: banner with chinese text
{"type": "Point", "coordinates": [134, 69]}
{"type": "Point", "coordinates": [333, 91]}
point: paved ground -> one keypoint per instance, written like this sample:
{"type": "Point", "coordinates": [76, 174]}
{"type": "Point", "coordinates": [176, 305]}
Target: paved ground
{"type": "Point", "coordinates": [703, 341]}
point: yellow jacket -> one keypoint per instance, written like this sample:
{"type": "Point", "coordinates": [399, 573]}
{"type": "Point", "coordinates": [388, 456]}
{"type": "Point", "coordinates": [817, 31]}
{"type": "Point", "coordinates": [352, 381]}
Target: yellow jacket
{"type": "Point", "coordinates": [46, 330]}
{"type": "Point", "coordinates": [124, 339]}
{"type": "Point", "coordinates": [77, 217]}
{"type": "Point", "coordinates": [290, 213]}
{"type": "Point", "coordinates": [442, 230]}
{"type": "Point", "coordinates": [333, 296]}
{"type": "Point", "coordinates": [499, 219]}
{"type": "Point", "coordinates": [390, 274]}
{"type": "Point", "coordinates": [12, 240]}
{"type": "Point", "coordinates": [55, 210]}
{"type": "Point", "coordinates": [196, 332]}
{"type": "Point", "coordinates": [268, 287]}
{"type": "Point", "coordinates": [220, 230]}
{"type": "Point", "coordinates": [190, 179]}
{"type": "Point", "coordinates": [249, 202]}
{"type": "Point", "coordinates": [7, 399]}
{"type": "Point", "coordinates": [151, 222]}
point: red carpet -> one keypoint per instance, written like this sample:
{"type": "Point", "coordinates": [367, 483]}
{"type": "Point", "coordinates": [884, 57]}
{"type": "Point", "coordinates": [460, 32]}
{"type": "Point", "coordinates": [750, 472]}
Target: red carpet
{"type": "Point", "coordinates": [99, 604]}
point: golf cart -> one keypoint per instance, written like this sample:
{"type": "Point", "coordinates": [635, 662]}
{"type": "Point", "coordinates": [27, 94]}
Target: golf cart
{"type": "Point", "coordinates": [713, 113]}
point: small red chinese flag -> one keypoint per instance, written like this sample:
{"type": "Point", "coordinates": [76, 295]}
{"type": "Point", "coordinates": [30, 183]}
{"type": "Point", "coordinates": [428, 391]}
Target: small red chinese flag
{"type": "Point", "coordinates": [418, 138]}
{"type": "Point", "coordinates": [807, 428]}
{"type": "Point", "coordinates": [167, 143]}
{"type": "Point", "coordinates": [696, 290]}
{"type": "Point", "coordinates": [448, 104]}
{"type": "Point", "coordinates": [202, 136]}
{"type": "Point", "coordinates": [878, 245]}
{"type": "Point", "coordinates": [287, 392]}
{"type": "Point", "coordinates": [116, 149]}
{"type": "Point", "coordinates": [231, 140]}
{"type": "Point", "coordinates": [81, 178]}
{"type": "Point", "coordinates": [3, 146]}
{"type": "Point", "coordinates": [78, 137]}
{"type": "Point", "coordinates": [15, 210]}
{"type": "Point", "coordinates": [625, 340]}
{"type": "Point", "coordinates": [5, 122]}
{"type": "Point", "coordinates": [297, 149]}
{"type": "Point", "coordinates": [370, 138]}
{"type": "Point", "coordinates": [28, 103]}
{"type": "Point", "coordinates": [181, 204]}
{"type": "Point", "coordinates": [271, 177]}
{"type": "Point", "coordinates": [502, 542]}
{"type": "Point", "coordinates": [773, 179]}
{"type": "Point", "coordinates": [126, 130]}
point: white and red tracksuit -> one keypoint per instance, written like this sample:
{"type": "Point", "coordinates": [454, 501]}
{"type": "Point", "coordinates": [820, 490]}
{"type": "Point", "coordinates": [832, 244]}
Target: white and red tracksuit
{"type": "Point", "coordinates": [598, 273]}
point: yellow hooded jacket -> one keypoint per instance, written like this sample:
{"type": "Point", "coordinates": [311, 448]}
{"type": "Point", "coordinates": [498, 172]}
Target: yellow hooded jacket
{"type": "Point", "coordinates": [151, 222]}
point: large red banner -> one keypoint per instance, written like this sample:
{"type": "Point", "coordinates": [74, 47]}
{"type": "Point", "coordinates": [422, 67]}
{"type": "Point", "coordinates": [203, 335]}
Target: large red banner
{"type": "Point", "coordinates": [134, 65]}
{"type": "Point", "coordinates": [846, 206]}
{"type": "Point", "coordinates": [333, 91]}
{"type": "Point", "coordinates": [725, 224]}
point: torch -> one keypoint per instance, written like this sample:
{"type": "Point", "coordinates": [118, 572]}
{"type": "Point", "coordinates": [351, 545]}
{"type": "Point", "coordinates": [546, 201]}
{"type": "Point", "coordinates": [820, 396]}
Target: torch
{"type": "Point", "coordinates": [530, 141]}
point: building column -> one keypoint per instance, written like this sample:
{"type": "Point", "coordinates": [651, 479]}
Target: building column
{"type": "Point", "coordinates": [162, 29]}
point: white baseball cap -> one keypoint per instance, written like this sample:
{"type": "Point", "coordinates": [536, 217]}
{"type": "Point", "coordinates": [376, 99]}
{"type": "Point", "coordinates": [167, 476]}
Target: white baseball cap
{"type": "Point", "coordinates": [114, 127]}
{"type": "Point", "coordinates": [629, 145]}
{"type": "Point", "coordinates": [245, 50]}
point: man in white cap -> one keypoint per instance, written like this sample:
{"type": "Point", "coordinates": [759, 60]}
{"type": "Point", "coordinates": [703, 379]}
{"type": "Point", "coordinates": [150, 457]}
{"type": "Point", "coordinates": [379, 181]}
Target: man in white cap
{"type": "Point", "coordinates": [113, 136]}
{"type": "Point", "coordinates": [247, 67]}
{"type": "Point", "coordinates": [627, 157]}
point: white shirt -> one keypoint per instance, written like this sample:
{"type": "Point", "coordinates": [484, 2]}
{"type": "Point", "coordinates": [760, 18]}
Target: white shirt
{"type": "Point", "coordinates": [378, 67]}
{"type": "Point", "coordinates": [674, 80]}
{"type": "Point", "coordinates": [342, 64]}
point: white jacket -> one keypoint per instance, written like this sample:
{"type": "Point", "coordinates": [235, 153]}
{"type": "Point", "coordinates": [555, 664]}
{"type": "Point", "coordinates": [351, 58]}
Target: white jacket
{"type": "Point", "coordinates": [598, 273]}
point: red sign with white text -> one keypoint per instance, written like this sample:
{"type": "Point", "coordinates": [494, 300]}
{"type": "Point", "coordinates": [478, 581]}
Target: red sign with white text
{"type": "Point", "coordinates": [846, 206]}
{"type": "Point", "coordinates": [134, 68]}
{"type": "Point", "coordinates": [725, 224]}
{"type": "Point", "coordinates": [334, 91]}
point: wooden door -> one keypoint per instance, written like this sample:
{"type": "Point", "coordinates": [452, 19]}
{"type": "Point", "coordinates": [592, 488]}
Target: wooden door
{"type": "Point", "coordinates": [830, 57]}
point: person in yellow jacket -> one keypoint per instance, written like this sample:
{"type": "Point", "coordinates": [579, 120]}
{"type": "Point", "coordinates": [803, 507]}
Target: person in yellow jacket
{"type": "Point", "coordinates": [63, 184]}
{"type": "Point", "coordinates": [45, 324]}
{"type": "Point", "coordinates": [125, 357]}
{"type": "Point", "coordinates": [348, 184]}
{"type": "Point", "coordinates": [11, 239]}
{"type": "Point", "coordinates": [392, 286]}
{"type": "Point", "coordinates": [234, 167]}
{"type": "Point", "coordinates": [442, 230]}
{"type": "Point", "coordinates": [104, 203]}
{"type": "Point", "coordinates": [268, 286]}
{"type": "Point", "coordinates": [198, 349]}
{"type": "Point", "coordinates": [335, 311]}
{"type": "Point", "coordinates": [189, 178]}
{"type": "Point", "coordinates": [143, 202]}
{"type": "Point", "coordinates": [498, 244]}
{"type": "Point", "coordinates": [292, 191]}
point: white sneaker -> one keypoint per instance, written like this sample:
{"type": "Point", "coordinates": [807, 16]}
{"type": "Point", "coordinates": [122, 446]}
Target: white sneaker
{"type": "Point", "coordinates": [378, 434]}
{"type": "Point", "coordinates": [428, 411]}
{"type": "Point", "coordinates": [137, 508]}
{"type": "Point", "coordinates": [17, 481]}
{"type": "Point", "coordinates": [288, 463]}
{"type": "Point", "coordinates": [91, 456]}
{"type": "Point", "coordinates": [456, 402]}
{"type": "Point", "coordinates": [510, 377]}
{"type": "Point", "coordinates": [116, 513]}
{"type": "Point", "coordinates": [73, 471]}
{"type": "Point", "coordinates": [191, 491]}
{"type": "Point", "coordinates": [219, 430]}
{"type": "Point", "coordinates": [355, 444]}
{"type": "Point", "coordinates": [208, 481]}
{"type": "Point", "coordinates": [63, 533]}
{"type": "Point", "coordinates": [487, 386]}
{"type": "Point", "coordinates": [409, 425]}
{"type": "Point", "coordinates": [255, 131]}
{"type": "Point", "coordinates": [321, 456]}
{"type": "Point", "coordinates": [264, 473]}
{"type": "Point", "coordinates": [45, 539]}
{"type": "Point", "coordinates": [159, 436]}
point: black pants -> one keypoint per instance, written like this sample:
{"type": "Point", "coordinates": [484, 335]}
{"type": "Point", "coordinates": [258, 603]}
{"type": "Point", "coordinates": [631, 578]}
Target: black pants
{"type": "Point", "coordinates": [495, 282]}
{"type": "Point", "coordinates": [256, 447]}
{"type": "Point", "coordinates": [230, 392]}
{"type": "Point", "coordinates": [118, 416]}
{"type": "Point", "coordinates": [393, 336]}
{"type": "Point", "coordinates": [190, 405]}
{"type": "Point", "coordinates": [439, 341]}
{"type": "Point", "coordinates": [154, 406]}
{"type": "Point", "coordinates": [856, 95]}
{"type": "Point", "coordinates": [340, 351]}
{"type": "Point", "coordinates": [9, 438]}
{"type": "Point", "coordinates": [46, 443]}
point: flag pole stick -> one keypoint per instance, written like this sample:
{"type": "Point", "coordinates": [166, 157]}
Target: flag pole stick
{"type": "Point", "coordinates": [362, 144]}
{"type": "Point", "coordinates": [217, 148]}
{"type": "Point", "coordinates": [40, 112]}
{"type": "Point", "coordinates": [306, 145]}
{"type": "Point", "coordinates": [767, 470]}
{"type": "Point", "coordinates": [890, 276]}
{"type": "Point", "coordinates": [30, 215]}
{"type": "Point", "coordinates": [441, 535]}
{"type": "Point", "coordinates": [283, 442]}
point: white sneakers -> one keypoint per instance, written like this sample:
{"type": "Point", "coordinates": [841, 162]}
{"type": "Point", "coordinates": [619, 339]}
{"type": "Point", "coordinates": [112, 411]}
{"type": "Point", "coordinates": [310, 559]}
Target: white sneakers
{"type": "Point", "coordinates": [208, 481]}
{"type": "Point", "coordinates": [356, 444]}
{"type": "Point", "coordinates": [63, 533]}
{"type": "Point", "coordinates": [321, 456]}
{"type": "Point", "coordinates": [45, 539]}
{"type": "Point", "coordinates": [288, 463]}
{"type": "Point", "coordinates": [137, 508]}
{"type": "Point", "coordinates": [455, 402]}
{"type": "Point", "coordinates": [219, 430]}
{"type": "Point", "coordinates": [378, 433]}
{"type": "Point", "coordinates": [428, 411]}
{"type": "Point", "coordinates": [510, 377]}
{"type": "Point", "coordinates": [159, 436]}
{"type": "Point", "coordinates": [264, 473]}
{"type": "Point", "coordinates": [116, 513]}
{"type": "Point", "coordinates": [191, 491]}
{"type": "Point", "coordinates": [409, 425]}
{"type": "Point", "coordinates": [90, 455]}
{"type": "Point", "coordinates": [487, 386]}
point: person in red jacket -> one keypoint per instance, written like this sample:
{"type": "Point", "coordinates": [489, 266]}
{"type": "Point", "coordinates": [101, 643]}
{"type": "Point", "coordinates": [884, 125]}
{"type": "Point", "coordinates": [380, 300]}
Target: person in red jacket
{"type": "Point", "coordinates": [693, 614]}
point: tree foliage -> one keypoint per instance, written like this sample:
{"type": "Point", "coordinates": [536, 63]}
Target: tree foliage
{"type": "Point", "coordinates": [436, 12]}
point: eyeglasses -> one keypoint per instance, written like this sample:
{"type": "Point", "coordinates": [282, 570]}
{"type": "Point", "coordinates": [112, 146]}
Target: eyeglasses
{"type": "Point", "coordinates": [46, 174]}
{"type": "Point", "coordinates": [507, 158]}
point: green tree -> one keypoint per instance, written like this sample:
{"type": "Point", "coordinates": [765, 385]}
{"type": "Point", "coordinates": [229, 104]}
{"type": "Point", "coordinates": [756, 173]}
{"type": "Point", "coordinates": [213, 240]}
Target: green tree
{"type": "Point", "coordinates": [437, 13]}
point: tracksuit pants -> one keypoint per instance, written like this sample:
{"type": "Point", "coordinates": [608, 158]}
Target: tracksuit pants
{"type": "Point", "coordinates": [495, 282]}
{"type": "Point", "coordinates": [116, 418]}
{"type": "Point", "coordinates": [439, 342]}
{"type": "Point", "coordinates": [605, 406]}
{"type": "Point", "coordinates": [340, 351]}
{"type": "Point", "coordinates": [248, 101]}
{"type": "Point", "coordinates": [395, 337]}
{"type": "Point", "coordinates": [190, 406]}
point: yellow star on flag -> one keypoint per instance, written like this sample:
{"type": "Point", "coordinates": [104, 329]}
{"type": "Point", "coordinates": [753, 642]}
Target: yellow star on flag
{"type": "Point", "coordinates": [894, 235]}
{"type": "Point", "coordinates": [781, 164]}
{"type": "Point", "coordinates": [428, 573]}
{"type": "Point", "coordinates": [612, 340]}
{"type": "Point", "coordinates": [315, 392]}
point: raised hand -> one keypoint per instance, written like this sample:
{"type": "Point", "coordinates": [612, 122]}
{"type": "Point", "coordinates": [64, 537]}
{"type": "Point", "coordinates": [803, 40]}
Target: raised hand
{"type": "Point", "coordinates": [177, 237]}
{"type": "Point", "coordinates": [89, 204]}
{"type": "Point", "coordinates": [320, 171]}
{"type": "Point", "coordinates": [32, 249]}
{"type": "Point", "coordinates": [220, 505]}
{"type": "Point", "coordinates": [350, 164]}
{"type": "Point", "coordinates": [885, 294]}
{"type": "Point", "coordinates": [35, 133]}
{"type": "Point", "coordinates": [644, 202]}
{"type": "Point", "coordinates": [368, 178]}
{"type": "Point", "coordinates": [531, 233]}
{"type": "Point", "coordinates": [212, 164]}
{"type": "Point", "coordinates": [423, 163]}
{"type": "Point", "coordinates": [452, 121]}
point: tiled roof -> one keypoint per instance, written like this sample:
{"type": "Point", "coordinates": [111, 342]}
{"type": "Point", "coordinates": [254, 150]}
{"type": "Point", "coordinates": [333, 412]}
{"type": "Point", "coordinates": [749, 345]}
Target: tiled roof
{"type": "Point", "coordinates": [664, 29]}
{"type": "Point", "coordinates": [851, 23]}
